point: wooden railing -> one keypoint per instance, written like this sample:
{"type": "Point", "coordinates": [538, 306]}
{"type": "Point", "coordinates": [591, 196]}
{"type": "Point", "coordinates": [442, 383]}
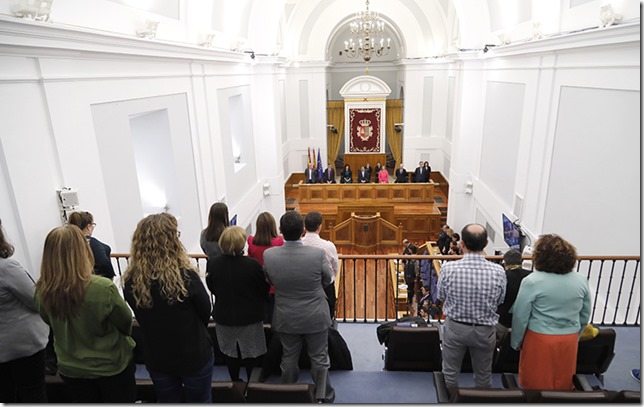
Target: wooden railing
{"type": "Point", "coordinates": [368, 288]}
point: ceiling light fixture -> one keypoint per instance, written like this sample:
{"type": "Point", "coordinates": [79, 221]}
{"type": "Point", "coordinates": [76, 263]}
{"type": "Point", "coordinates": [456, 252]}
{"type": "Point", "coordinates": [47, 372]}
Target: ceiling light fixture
{"type": "Point", "coordinates": [367, 40]}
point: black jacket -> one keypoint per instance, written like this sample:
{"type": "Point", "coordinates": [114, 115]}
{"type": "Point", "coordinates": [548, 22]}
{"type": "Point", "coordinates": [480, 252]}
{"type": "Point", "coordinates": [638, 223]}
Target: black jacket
{"type": "Point", "coordinates": [240, 289]}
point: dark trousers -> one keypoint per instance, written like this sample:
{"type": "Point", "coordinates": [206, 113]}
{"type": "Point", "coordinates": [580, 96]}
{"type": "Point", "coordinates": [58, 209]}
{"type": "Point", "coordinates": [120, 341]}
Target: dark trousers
{"type": "Point", "coordinates": [120, 388]}
{"type": "Point", "coordinates": [329, 290]}
{"type": "Point", "coordinates": [22, 380]}
{"type": "Point", "coordinates": [196, 387]}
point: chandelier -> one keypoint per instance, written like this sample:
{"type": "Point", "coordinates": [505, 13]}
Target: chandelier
{"type": "Point", "coordinates": [367, 40]}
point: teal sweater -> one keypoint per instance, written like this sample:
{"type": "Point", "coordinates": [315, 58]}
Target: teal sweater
{"type": "Point", "coordinates": [96, 342]}
{"type": "Point", "coordinates": [551, 304]}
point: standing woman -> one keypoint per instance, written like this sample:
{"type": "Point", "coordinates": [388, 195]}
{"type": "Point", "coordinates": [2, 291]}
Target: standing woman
{"type": "Point", "coordinates": [240, 287]}
{"type": "Point", "coordinates": [217, 222]}
{"type": "Point", "coordinates": [90, 321]}
{"type": "Point", "coordinates": [383, 176]}
{"type": "Point", "coordinates": [173, 308]}
{"type": "Point", "coordinates": [550, 313]}
{"type": "Point", "coordinates": [346, 177]}
{"type": "Point", "coordinates": [265, 237]}
{"type": "Point", "coordinates": [101, 251]}
{"type": "Point", "coordinates": [23, 334]}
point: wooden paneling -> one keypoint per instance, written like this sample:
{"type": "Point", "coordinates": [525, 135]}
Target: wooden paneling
{"type": "Point", "coordinates": [357, 160]}
{"type": "Point", "coordinates": [319, 193]}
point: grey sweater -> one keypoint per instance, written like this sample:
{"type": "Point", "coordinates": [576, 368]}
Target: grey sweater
{"type": "Point", "coordinates": [22, 331]}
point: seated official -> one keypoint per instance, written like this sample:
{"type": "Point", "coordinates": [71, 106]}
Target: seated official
{"type": "Point", "coordinates": [346, 177]}
{"type": "Point", "coordinates": [401, 174]}
{"type": "Point", "coordinates": [363, 176]}
{"type": "Point", "coordinates": [377, 169]}
{"type": "Point", "coordinates": [310, 175]}
{"type": "Point", "coordinates": [368, 169]}
{"type": "Point", "coordinates": [383, 176]}
{"type": "Point", "coordinates": [329, 175]}
{"type": "Point", "coordinates": [419, 173]}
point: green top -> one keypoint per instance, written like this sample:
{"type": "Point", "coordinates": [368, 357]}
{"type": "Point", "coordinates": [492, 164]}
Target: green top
{"type": "Point", "coordinates": [551, 304]}
{"type": "Point", "coordinates": [96, 342]}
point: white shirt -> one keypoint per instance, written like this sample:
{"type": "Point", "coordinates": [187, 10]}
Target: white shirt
{"type": "Point", "coordinates": [331, 253]}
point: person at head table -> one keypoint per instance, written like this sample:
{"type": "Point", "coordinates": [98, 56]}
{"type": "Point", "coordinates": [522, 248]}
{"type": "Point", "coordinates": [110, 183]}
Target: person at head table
{"type": "Point", "coordinates": [329, 175]}
{"type": "Point", "coordinates": [310, 175]}
{"type": "Point", "coordinates": [401, 174]}
{"type": "Point", "coordinates": [346, 177]}
{"type": "Point", "coordinates": [363, 176]}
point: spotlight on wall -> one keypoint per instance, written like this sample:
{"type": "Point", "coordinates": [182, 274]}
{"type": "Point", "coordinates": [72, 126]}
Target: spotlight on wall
{"type": "Point", "coordinates": [332, 128]}
{"type": "Point", "coordinates": [398, 127]}
{"type": "Point", "coordinates": [267, 189]}
{"type": "Point", "coordinates": [488, 46]}
{"type": "Point", "coordinates": [251, 52]}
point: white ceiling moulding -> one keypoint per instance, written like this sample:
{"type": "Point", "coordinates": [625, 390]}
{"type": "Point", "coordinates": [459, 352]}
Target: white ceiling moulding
{"type": "Point", "coordinates": [27, 35]}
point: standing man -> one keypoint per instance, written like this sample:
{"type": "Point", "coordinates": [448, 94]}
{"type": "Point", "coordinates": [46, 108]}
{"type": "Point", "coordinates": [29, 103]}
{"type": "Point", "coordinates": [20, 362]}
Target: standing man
{"type": "Point", "coordinates": [514, 275]}
{"type": "Point", "coordinates": [313, 225]}
{"type": "Point", "coordinates": [310, 175]}
{"type": "Point", "coordinates": [367, 168]}
{"type": "Point", "coordinates": [301, 314]}
{"type": "Point", "coordinates": [363, 176]}
{"type": "Point", "coordinates": [329, 175]}
{"type": "Point", "coordinates": [401, 174]}
{"type": "Point", "coordinates": [471, 288]}
{"type": "Point", "coordinates": [419, 173]}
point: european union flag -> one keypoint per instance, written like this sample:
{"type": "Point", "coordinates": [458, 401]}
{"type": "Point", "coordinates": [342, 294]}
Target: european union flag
{"type": "Point", "coordinates": [320, 170]}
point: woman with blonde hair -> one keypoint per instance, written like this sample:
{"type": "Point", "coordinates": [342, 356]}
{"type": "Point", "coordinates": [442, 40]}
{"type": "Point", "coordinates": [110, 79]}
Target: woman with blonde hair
{"type": "Point", "coordinates": [102, 263]}
{"type": "Point", "coordinates": [90, 321]}
{"type": "Point", "coordinates": [550, 313]}
{"type": "Point", "coordinates": [265, 237]}
{"type": "Point", "coordinates": [172, 307]}
{"type": "Point", "coordinates": [240, 288]}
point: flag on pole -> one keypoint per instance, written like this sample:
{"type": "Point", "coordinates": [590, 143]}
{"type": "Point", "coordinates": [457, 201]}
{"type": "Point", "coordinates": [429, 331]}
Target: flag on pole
{"type": "Point", "coordinates": [308, 157]}
{"type": "Point", "coordinates": [320, 170]}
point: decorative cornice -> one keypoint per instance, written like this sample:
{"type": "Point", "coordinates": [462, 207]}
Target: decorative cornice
{"type": "Point", "coordinates": [25, 37]}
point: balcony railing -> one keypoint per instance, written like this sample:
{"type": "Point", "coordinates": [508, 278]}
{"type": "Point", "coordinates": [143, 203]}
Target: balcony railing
{"type": "Point", "coordinates": [370, 288]}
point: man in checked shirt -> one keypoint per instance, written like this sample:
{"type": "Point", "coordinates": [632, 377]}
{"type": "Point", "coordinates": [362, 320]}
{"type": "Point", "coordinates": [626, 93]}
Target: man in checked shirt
{"type": "Point", "coordinates": [471, 289]}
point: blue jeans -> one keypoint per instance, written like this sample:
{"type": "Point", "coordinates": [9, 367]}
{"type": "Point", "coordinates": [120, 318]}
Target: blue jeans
{"type": "Point", "coordinates": [197, 386]}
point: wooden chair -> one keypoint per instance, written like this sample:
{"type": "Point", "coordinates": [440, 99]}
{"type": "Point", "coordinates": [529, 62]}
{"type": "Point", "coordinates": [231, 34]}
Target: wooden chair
{"type": "Point", "coordinates": [475, 395]}
{"type": "Point", "coordinates": [228, 392]}
{"type": "Point", "coordinates": [280, 393]}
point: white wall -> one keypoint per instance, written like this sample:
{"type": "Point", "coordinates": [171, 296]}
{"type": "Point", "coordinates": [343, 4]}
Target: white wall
{"type": "Point", "coordinates": [68, 125]}
{"type": "Point", "coordinates": [570, 118]}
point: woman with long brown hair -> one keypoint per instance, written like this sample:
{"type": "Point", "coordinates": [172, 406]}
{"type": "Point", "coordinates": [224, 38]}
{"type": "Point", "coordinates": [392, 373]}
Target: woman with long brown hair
{"type": "Point", "coordinates": [172, 307]}
{"type": "Point", "coordinates": [265, 237]}
{"type": "Point", "coordinates": [90, 320]}
{"type": "Point", "coordinates": [217, 222]}
{"type": "Point", "coordinates": [23, 334]}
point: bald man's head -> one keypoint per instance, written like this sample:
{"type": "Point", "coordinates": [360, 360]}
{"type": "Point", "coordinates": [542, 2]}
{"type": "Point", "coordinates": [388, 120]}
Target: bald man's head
{"type": "Point", "coordinates": [474, 237]}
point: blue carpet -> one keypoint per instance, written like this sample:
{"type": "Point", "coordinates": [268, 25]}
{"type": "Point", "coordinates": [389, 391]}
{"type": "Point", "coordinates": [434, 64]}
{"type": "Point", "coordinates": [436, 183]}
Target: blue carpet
{"type": "Point", "coordinates": [369, 383]}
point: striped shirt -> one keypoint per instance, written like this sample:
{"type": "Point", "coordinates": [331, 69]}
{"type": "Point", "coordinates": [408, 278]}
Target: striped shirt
{"type": "Point", "coordinates": [331, 253]}
{"type": "Point", "coordinates": [472, 288]}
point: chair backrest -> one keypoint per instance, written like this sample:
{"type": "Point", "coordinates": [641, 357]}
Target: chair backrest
{"type": "Point", "coordinates": [228, 392]}
{"type": "Point", "coordinates": [595, 355]}
{"type": "Point", "coordinates": [553, 396]}
{"type": "Point", "coordinates": [627, 396]}
{"type": "Point", "coordinates": [479, 395]}
{"type": "Point", "coordinates": [416, 349]}
{"type": "Point", "coordinates": [280, 393]}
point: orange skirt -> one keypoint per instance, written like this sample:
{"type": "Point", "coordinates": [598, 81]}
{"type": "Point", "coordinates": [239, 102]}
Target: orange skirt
{"type": "Point", "coordinates": [548, 362]}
